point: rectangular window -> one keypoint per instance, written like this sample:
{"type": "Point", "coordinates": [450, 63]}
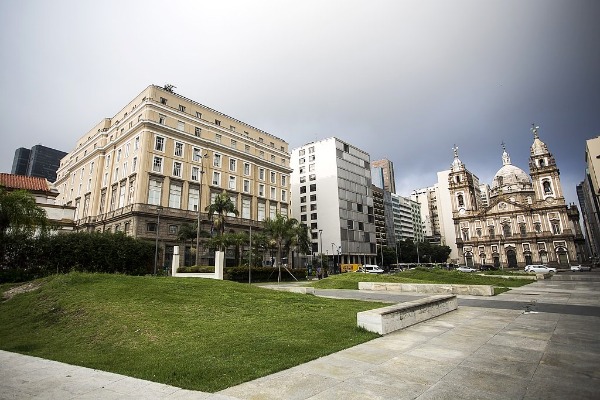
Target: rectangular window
{"type": "Point", "coordinates": [272, 211]}
{"type": "Point", "coordinates": [283, 195]}
{"type": "Point", "coordinates": [247, 148]}
{"type": "Point", "coordinates": [217, 161]}
{"type": "Point", "coordinates": [273, 177]}
{"type": "Point", "coordinates": [118, 155]}
{"type": "Point", "coordinates": [196, 154]}
{"type": "Point", "coordinates": [232, 164]}
{"type": "Point", "coordinates": [157, 164]}
{"type": "Point", "coordinates": [136, 143]}
{"type": "Point", "coordinates": [198, 114]}
{"type": "Point", "coordinates": [303, 208]}
{"type": "Point", "coordinates": [177, 169]}
{"type": "Point", "coordinates": [175, 195]}
{"type": "Point", "coordinates": [193, 196]}
{"type": "Point", "coordinates": [134, 164]}
{"type": "Point", "coordinates": [178, 149]}
{"type": "Point", "coordinates": [246, 208]}
{"type": "Point", "coordinates": [159, 143]}
{"type": "Point", "coordinates": [273, 193]}
{"type": "Point", "coordinates": [124, 173]}
{"type": "Point", "coordinates": [261, 211]}
{"type": "Point", "coordinates": [154, 191]}
{"type": "Point", "coordinates": [180, 125]}
{"type": "Point", "coordinates": [247, 169]}
{"type": "Point", "coordinates": [232, 183]}
{"type": "Point", "coordinates": [197, 131]}
{"type": "Point", "coordinates": [217, 122]}
{"type": "Point", "coordinates": [233, 143]}
{"type": "Point", "coordinates": [283, 180]}
{"type": "Point", "coordinates": [162, 119]}
{"type": "Point", "coordinates": [195, 173]}
{"type": "Point", "coordinates": [216, 180]}
{"type": "Point", "coordinates": [261, 174]}
{"type": "Point", "coordinates": [261, 190]}
{"type": "Point", "coordinates": [181, 108]}
{"type": "Point", "coordinates": [122, 195]}
{"type": "Point", "coordinates": [217, 138]}
{"type": "Point", "coordinates": [131, 192]}
{"type": "Point", "coordinates": [163, 100]}
{"type": "Point", "coordinates": [246, 186]}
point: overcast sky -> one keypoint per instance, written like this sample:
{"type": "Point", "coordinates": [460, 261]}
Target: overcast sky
{"type": "Point", "coordinates": [403, 80]}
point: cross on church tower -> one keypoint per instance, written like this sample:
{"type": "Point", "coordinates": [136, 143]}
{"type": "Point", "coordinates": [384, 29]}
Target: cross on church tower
{"type": "Point", "coordinates": [534, 129]}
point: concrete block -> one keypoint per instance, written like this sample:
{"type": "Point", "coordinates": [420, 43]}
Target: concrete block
{"type": "Point", "coordinates": [398, 316]}
{"type": "Point", "coordinates": [433, 288]}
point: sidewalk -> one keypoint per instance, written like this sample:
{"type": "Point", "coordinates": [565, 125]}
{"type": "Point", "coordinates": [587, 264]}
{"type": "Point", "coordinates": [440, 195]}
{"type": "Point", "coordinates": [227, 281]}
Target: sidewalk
{"type": "Point", "coordinates": [472, 353]}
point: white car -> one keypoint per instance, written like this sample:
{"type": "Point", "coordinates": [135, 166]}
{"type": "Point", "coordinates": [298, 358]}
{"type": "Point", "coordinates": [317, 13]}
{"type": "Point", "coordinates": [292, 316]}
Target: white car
{"type": "Point", "coordinates": [466, 269]}
{"type": "Point", "coordinates": [540, 269]}
{"type": "Point", "coordinates": [581, 268]}
{"type": "Point", "coordinates": [370, 269]}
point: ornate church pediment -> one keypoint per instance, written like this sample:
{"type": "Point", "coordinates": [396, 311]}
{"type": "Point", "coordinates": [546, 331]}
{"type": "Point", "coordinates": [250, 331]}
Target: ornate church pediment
{"type": "Point", "coordinates": [501, 204]}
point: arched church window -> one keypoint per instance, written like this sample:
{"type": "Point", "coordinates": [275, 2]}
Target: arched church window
{"type": "Point", "coordinates": [465, 234]}
{"type": "Point", "coordinates": [538, 227]}
{"type": "Point", "coordinates": [556, 227]}
{"type": "Point", "coordinates": [542, 162]}
{"type": "Point", "coordinates": [461, 200]}
{"type": "Point", "coordinates": [457, 178]}
{"type": "Point", "coordinates": [492, 232]}
{"type": "Point", "coordinates": [547, 188]}
{"type": "Point", "coordinates": [478, 231]}
{"type": "Point", "coordinates": [506, 230]}
{"type": "Point", "coordinates": [522, 228]}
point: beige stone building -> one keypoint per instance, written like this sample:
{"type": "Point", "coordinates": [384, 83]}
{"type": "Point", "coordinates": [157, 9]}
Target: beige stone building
{"type": "Point", "coordinates": [526, 220]}
{"type": "Point", "coordinates": [169, 155]}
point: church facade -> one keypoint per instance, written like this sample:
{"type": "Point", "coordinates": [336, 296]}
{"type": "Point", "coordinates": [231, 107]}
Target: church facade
{"type": "Point", "coordinates": [526, 220]}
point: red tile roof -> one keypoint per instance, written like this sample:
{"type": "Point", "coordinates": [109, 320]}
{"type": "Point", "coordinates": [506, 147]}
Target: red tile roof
{"type": "Point", "coordinates": [31, 183]}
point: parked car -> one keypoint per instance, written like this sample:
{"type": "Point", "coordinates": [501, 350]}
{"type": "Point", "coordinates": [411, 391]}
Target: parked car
{"type": "Point", "coordinates": [370, 269]}
{"type": "Point", "coordinates": [540, 269]}
{"type": "Point", "coordinates": [466, 269]}
{"type": "Point", "coordinates": [581, 268]}
{"type": "Point", "coordinates": [487, 267]}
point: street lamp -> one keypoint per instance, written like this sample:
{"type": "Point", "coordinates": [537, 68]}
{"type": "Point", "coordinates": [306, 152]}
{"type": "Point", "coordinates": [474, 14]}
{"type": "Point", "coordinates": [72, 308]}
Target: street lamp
{"type": "Point", "coordinates": [199, 209]}
{"type": "Point", "coordinates": [321, 246]}
{"type": "Point", "coordinates": [333, 255]}
{"type": "Point", "coordinates": [158, 210]}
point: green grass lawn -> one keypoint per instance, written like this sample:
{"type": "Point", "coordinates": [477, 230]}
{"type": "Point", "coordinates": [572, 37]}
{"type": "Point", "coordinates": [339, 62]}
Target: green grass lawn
{"type": "Point", "coordinates": [420, 275]}
{"type": "Point", "coordinates": [198, 334]}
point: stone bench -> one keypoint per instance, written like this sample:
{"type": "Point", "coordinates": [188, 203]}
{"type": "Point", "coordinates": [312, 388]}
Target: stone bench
{"type": "Point", "coordinates": [433, 288]}
{"type": "Point", "coordinates": [399, 316]}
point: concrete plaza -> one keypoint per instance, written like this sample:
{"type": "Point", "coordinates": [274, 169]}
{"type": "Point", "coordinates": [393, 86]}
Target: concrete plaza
{"type": "Point", "coordinates": [539, 341]}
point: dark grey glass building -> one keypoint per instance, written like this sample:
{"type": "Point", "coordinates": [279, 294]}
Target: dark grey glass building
{"type": "Point", "coordinates": [40, 161]}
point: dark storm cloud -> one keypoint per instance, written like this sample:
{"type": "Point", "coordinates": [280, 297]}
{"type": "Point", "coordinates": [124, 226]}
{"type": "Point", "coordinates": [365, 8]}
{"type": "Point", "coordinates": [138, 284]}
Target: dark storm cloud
{"type": "Point", "coordinates": [405, 80]}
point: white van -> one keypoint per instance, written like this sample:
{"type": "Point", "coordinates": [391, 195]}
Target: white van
{"type": "Point", "coordinates": [370, 269]}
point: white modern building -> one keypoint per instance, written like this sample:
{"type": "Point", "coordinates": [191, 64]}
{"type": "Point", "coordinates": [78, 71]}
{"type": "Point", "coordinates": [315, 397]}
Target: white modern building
{"type": "Point", "coordinates": [407, 219]}
{"type": "Point", "coordinates": [331, 193]}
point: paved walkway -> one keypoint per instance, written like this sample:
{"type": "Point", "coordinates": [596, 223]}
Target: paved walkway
{"type": "Point", "coordinates": [498, 348]}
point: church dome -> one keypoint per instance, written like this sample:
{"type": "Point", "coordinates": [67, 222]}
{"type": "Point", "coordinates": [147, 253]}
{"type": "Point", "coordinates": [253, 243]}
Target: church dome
{"type": "Point", "coordinates": [510, 178]}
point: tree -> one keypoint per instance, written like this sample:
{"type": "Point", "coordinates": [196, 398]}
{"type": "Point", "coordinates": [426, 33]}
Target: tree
{"type": "Point", "coordinates": [284, 232]}
{"type": "Point", "coordinates": [221, 207]}
{"type": "Point", "coordinates": [20, 214]}
{"type": "Point", "coordinates": [238, 240]}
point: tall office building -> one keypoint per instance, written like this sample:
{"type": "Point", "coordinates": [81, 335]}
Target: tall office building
{"type": "Point", "coordinates": [39, 161]}
{"type": "Point", "coordinates": [162, 159]}
{"type": "Point", "coordinates": [589, 199]}
{"type": "Point", "coordinates": [332, 195]}
{"type": "Point", "coordinates": [407, 219]}
{"type": "Point", "coordinates": [383, 172]}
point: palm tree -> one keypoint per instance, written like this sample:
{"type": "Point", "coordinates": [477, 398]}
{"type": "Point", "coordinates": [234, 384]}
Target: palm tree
{"type": "Point", "coordinates": [238, 240]}
{"type": "Point", "coordinates": [283, 231]}
{"type": "Point", "coordinates": [221, 207]}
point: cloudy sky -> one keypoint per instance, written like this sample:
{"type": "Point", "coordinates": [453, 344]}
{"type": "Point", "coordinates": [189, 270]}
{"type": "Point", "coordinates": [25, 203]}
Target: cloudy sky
{"type": "Point", "coordinates": [403, 80]}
